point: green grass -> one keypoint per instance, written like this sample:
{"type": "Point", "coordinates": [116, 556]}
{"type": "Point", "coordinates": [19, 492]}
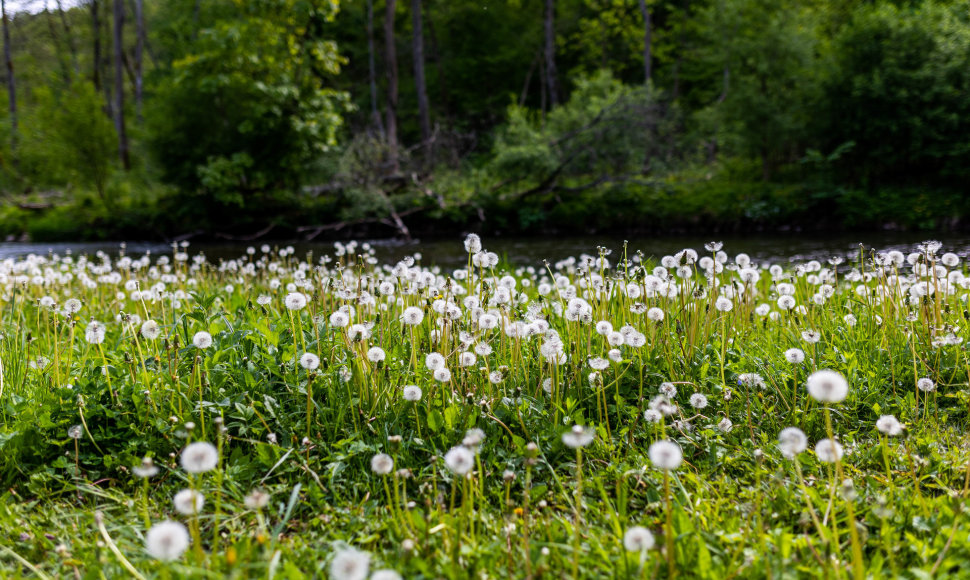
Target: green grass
{"type": "Point", "coordinates": [735, 508]}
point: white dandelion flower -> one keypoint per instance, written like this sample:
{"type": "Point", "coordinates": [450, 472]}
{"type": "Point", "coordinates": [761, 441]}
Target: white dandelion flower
{"type": "Point", "coordinates": [150, 330]}
{"type": "Point", "coordinates": [792, 441]}
{"type": "Point", "coordinates": [188, 502]}
{"type": "Point", "coordinates": [638, 539]}
{"type": "Point", "coordinates": [94, 333]}
{"type": "Point", "coordinates": [350, 564]}
{"type": "Point", "coordinates": [199, 457]}
{"type": "Point", "coordinates": [167, 541]}
{"type": "Point", "coordinates": [434, 361]}
{"type": "Point", "coordinates": [668, 390]}
{"type": "Point", "coordinates": [811, 336]}
{"type": "Point", "coordinates": [795, 356]}
{"type": "Point", "coordinates": [577, 437]}
{"type": "Point", "coordinates": [698, 401]}
{"type": "Point", "coordinates": [412, 393]}
{"type": "Point", "coordinates": [926, 385]}
{"type": "Point", "coordinates": [828, 451]}
{"type": "Point", "coordinates": [412, 316]}
{"type": "Point", "coordinates": [459, 460]}
{"type": "Point", "coordinates": [309, 361]}
{"type": "Point", "coordinates": [256, 499]}
{"type": "Point", "coordinates": [376, 354]}
{"type": "Point", "coordinates": [381, 464]}
{"type": "Point", "coordinates": [295, 301]}
{"type": "Point", "coordinates": [725, 425]}
{"type": "Point", "coordinates": [655, 314]}
{"type": "Point", "coordinates": [146, 469]}
{"type": "Point", "coordinates": [339, 319]}
{"type": "Point", "coordinates": [889, 425]}
{"type": "Point", "coordinates": [827, 386]}
{"type": "Point", "coordinates": [467, 359]}
{"type": "Point", "coordinates": [665, 454]}
{"type": "Point", "coordinates": [442, 375]}
{"type": "Point", "coordinates": [202, 339]}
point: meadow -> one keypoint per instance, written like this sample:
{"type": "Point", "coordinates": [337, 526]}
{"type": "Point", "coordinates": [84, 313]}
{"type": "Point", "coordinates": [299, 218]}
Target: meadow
{"type": "Point", "coordinates": [696, 415]}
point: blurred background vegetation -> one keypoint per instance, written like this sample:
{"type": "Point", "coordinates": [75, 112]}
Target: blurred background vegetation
{"type": "Point", "coordinates": [239, 119]}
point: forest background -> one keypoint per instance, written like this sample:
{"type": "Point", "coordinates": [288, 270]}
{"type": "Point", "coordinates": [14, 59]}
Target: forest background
{"type": "Point", "coordinates": [247, 119]}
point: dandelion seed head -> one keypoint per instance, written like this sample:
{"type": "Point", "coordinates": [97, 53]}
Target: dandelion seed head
{"type": "Point", "coordinates": [638, 539]}
{"type": "Point", "coordinates": [199, 457]}
{"type": "Point", "coordinates": [167, 541]}
{"type": "Point", "coordinates": [665, 454]}
{"type": "Point", "coordinates": [827, 386]}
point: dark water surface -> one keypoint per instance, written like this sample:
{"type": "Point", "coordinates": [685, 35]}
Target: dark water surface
{"type": "Point", "coordinates": [532, 251]}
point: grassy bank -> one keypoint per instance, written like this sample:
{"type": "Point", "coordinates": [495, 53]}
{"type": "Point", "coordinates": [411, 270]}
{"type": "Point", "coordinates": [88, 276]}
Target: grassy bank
{"type": "Point", "coordinates": [600, 417]}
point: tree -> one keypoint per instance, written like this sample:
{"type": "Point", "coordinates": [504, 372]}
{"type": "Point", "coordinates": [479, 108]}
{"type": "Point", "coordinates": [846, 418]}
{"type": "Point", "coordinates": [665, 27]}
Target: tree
{"type": "Point", "coordinates": [424, 116]}
{"type": "Point", "coordinates": [549, 51]}
{"type": "Point", "coordinates": [390, 64]}
{"type": "Point", "coordinates": [11, 84]}
{"type": "Point", "coordinates": [119, 102]}
{"type": "Point", "coordinates": [248, 107]}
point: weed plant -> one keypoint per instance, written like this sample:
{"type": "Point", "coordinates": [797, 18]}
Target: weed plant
{"type": "Point", "coordinates": [703, 416]}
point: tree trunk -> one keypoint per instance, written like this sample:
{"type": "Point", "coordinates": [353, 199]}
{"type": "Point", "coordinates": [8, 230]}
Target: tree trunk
{"type": "Point", "coordinates": [424, 116]}
{"type": "Point", "coordinates": [549, 25]}
{"type": "Point", "coordinates": [96, 36]}
{"type": "Point", "coordinates": [376, 123]}
{"type": "Point", "coordinates": [139, 50]}
{"type": "Point", "coordinates": [119, 23]}
{"type": "Point", "coordinates": [71, 45]}
{"type": "Point", "coordinates": [647, 32]}
{"type": "Point", "coordinates": [390, 61]}
{"type": "Point", "coordinates": [11, 86]}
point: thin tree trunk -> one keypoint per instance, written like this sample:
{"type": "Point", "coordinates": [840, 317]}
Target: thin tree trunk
{"type": "Point", "coordinates": [11, 85]}
{"type": "Point", "coordinates": [69, 34]}
{"type": "Point", "coordinates": [647, 33]}
{"type": "Point", "coordinates": [390, 61]}
{"type": "Point", "coordinates": [549, 25]}
{"type": "Point", "coordinates": [424, 116]}
{"type": "Point", "coordinates": [119, 23]}
{"type": "Point", "coordinates": [96, 36]}
{"type": "Point", "coordinates": [139, 50]}
{"type": "Point", "coordinates": [375, 114]}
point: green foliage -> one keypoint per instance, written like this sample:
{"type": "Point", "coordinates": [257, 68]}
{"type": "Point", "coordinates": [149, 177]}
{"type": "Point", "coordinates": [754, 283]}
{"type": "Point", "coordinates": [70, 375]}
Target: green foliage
{"type": "Point", "coordinates": [899, 88]}
{"type": "Point", "coordinates": [247, 106]}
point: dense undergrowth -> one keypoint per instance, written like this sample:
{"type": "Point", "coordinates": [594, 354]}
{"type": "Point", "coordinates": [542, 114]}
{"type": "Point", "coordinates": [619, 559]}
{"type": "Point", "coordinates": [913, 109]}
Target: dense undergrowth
{"type": "Point", "coordinates": [491, 421]}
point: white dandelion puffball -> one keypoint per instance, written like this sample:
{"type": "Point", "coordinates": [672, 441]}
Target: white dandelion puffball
{"type": "Point", "coordinates": [577, 437]}
{"type": "Point", "coordinates": [150, 330]}
{"type": "Point", "coordinates": [795, 356]}
{"type": "Point", "coordinates": [442, 375]}
{"type": "Point", "coordinates": [698, 400]}
{"type": "Point", "coordinates": [473, 244]}
{"type": "Point", "coordinates": [434, 361]}
{"type": "Point", "coordinates": [723, 304]}
{"type": "Point", "coordinates": [638, 539]}
{"type": "Point", "coordinates": [792, 441]}
{"type": "Point", "coordinates": [167, 541]}
{"type": "Point", "coordinates": [665, 454]}
{"type": "Point", "coordinates": [926, 385]}
{"type": "Point", "coordinates": [655, 314]}
{"type": "Point", "coordinates": [188, 502]}
{"type": "Point", "coordinates": [460, 460]}
{"type": "Point", "coordinates": [295, 301]}
{"type": "Point", "coordinates": [256, 499]}
{"type": "Point", "coordinates": [412, 393]}
{"type": "Point", "coordinates": [376, 354]}
{"type": "Point", "coordinates": [339, 319]}
{"type": "Point", "coordinates": [72, 305]}
{"type": "Point", "coordinates": [412, 316]}
{"type": "Point", "coordinates": [202, 339]}
{"type": "Point", "coordinates": [94, 333]}
{"type": "Point", "coordinates": [725, 425]}
{"type": "Point", "coordinates": [381, 464]}
{"type": "Point", "coordinates": [199, 457]}
{"type": "Point", "coordinates": [889, 425]}
{"type": "Point", "coordinates": [827, 386]}
{"type": "Point", "coordinates": [309, 361]}
{"type": "Point", "coordinates": [350, 564]}
{"type": "Point", "coordinates": [828, 451]}
{"type": "Point", "coordinates": [811, 336]}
